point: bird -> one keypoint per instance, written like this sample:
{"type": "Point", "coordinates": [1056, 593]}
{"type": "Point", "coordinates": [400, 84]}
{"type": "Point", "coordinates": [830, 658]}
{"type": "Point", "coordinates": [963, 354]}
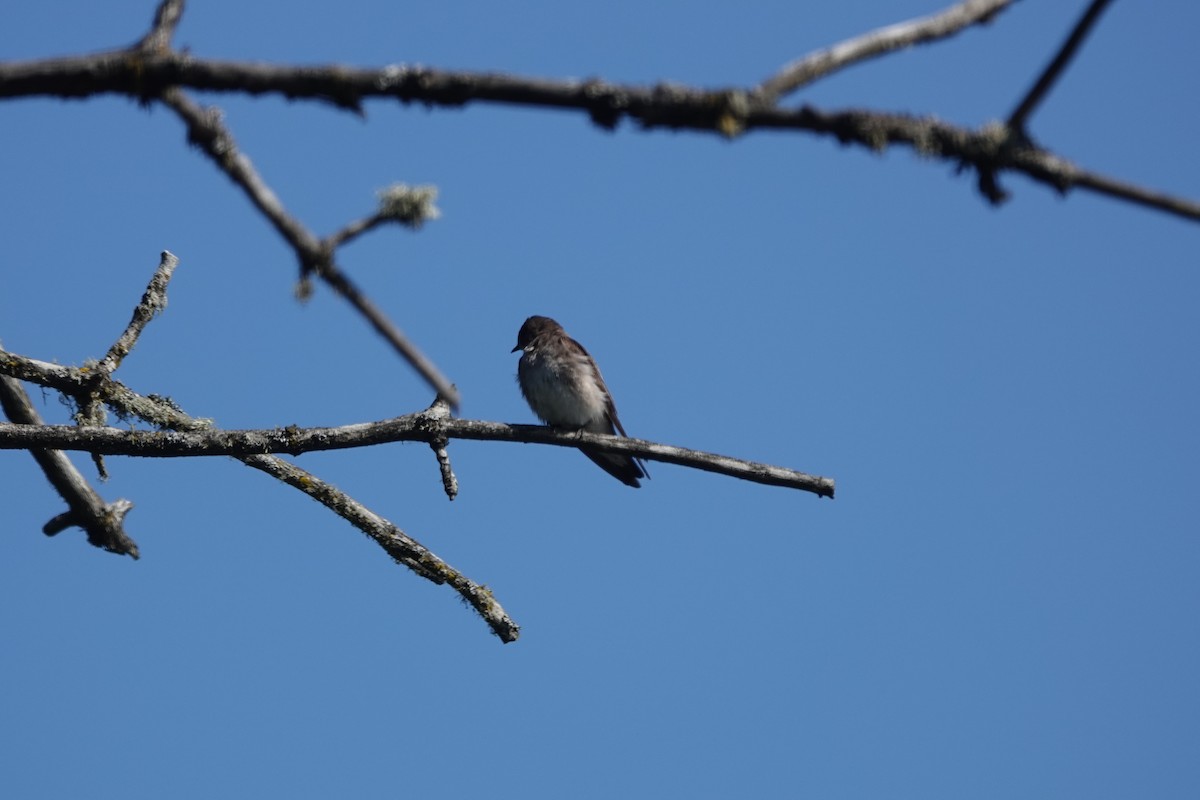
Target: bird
{"type": "Point", "coordinates": [563, 386]}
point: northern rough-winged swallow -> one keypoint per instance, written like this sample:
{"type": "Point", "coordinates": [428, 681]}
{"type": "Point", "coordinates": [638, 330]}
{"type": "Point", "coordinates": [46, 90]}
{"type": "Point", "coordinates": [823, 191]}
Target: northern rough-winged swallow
{"type": "Point", "coordinates": [563, 386]}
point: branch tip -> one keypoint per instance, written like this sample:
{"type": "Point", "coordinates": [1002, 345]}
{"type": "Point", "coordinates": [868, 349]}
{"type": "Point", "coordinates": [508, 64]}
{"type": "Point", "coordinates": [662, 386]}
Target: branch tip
{"type": "Point", "coordinates": [153, 301]}
{"type": "Point", "coordinates": [876, 43]}
{"type": "Point", "coordinates": [437, 412]}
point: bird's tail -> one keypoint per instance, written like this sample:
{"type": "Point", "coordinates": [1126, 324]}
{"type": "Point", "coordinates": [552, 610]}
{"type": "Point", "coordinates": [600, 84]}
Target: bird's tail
{"type": "Point", "coordinates": [626, 469]}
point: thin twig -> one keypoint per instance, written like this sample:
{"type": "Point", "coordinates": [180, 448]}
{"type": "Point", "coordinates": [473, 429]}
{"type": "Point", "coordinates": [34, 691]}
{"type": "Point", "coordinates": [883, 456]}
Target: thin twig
{"type": "Point", "coordinates": [438, 413]}
{"type": "Point", "coordinates": [209, 133]}
{"type": "Point", "coordinates": [153, 301]}
{"type": "Point", "coordinates": [411, 206]}
{"type": "Point", "coordinates": [1102, 184]}
{"type": "Point", "coordinates": [1054, 69]}
{"type": "Point", "coordinates": [104, 523]}
{"type": "Point", "coordinates": [879, 42]}
{"type": "Point", "coordinates": [355, 229]}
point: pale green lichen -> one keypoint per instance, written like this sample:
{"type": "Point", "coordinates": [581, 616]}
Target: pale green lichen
{"type": "Point", "coordinates": [409, 205]}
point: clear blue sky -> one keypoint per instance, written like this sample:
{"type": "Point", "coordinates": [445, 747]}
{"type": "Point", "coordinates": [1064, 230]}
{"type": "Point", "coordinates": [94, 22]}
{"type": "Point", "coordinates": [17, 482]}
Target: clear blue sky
{"type": "Point", "coordinates": [1000, 603]}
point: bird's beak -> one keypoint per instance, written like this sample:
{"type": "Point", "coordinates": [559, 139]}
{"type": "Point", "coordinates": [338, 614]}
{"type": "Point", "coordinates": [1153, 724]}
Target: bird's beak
{"type": "Point", "coordinates": [515, 349]}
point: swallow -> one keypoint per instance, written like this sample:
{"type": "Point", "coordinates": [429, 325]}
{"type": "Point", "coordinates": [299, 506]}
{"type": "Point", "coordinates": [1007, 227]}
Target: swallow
{"type": "Point", "coordinates": [564, 387]}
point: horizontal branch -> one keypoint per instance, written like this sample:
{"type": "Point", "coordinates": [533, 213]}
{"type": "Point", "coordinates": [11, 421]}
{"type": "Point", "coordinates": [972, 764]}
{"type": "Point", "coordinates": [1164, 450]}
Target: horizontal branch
{"type": "Point", "coordinates": [726, 112]}
{"type": "Point", "coordinates": [420, 427]}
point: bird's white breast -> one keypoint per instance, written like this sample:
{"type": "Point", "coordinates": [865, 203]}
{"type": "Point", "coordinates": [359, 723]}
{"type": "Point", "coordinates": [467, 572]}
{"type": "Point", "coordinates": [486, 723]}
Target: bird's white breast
{"type": "Point", "coordinates": [561, 396]}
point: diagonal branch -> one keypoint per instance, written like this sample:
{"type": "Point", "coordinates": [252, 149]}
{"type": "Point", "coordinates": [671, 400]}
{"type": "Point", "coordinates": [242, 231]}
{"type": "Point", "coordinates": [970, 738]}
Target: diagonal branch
{"type": "Point", "coordinates": [207, 132]}
{"type": "Point", "coordinates": [104, 523]}
{"type": "Point", "coordinates": [1054, 69]}
{"type": "Point", "coordinates": [1131, 192]}
{"type": "Point", "coordinates": [153, 301]}
{"type": "Point", "coordinates": [876, 43]}
{"type": "Point", "coordinates": [989, 150]}
{"type": "Point", "coordinates": [399, 545]}
{"type": "Point", "coordinates": [165, 414]}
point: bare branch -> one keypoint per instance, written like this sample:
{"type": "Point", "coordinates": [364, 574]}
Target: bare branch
{"type": "Point", "coordinates": [438, 413]}
{"type": "Point", "coordinates": [1054, 69]}
{"type": "Point", "coordinates": [342, 284]}
{"type": "Point", "coordinates": [401, 547]}
{"type": "Point", "coordinates": [354, 230]}
{"type": "Point", "coordinates": [165, 414]}
{"type": "Point", "coordinates": [876, 43]}
{"type": "Point", "coordinates": [1102, 184]}
{"type": "Point", "coordinates": [449, 479]}
{"type": "Point", "coordinates": [431, 426]}
{"type": "Point", "coordinates": [990, 150]}
{"type": "Point", "coordinates": [420, 427]}
{"type": "Point", "coordinates": [153, 302]}
{"type": "Point", "coordinates": [104, 523]}
{"type": "Point", "coordinates": [725, 113]}
{"type": "Point", "coordinates": [208, 132]}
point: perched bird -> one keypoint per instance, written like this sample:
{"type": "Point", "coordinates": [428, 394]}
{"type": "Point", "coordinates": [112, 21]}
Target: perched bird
{"type": "Point", "coordinates": [563, 386]}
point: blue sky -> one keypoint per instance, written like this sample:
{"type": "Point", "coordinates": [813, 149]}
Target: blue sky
{"type": "Point", "coordinates": [1001, 601]}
